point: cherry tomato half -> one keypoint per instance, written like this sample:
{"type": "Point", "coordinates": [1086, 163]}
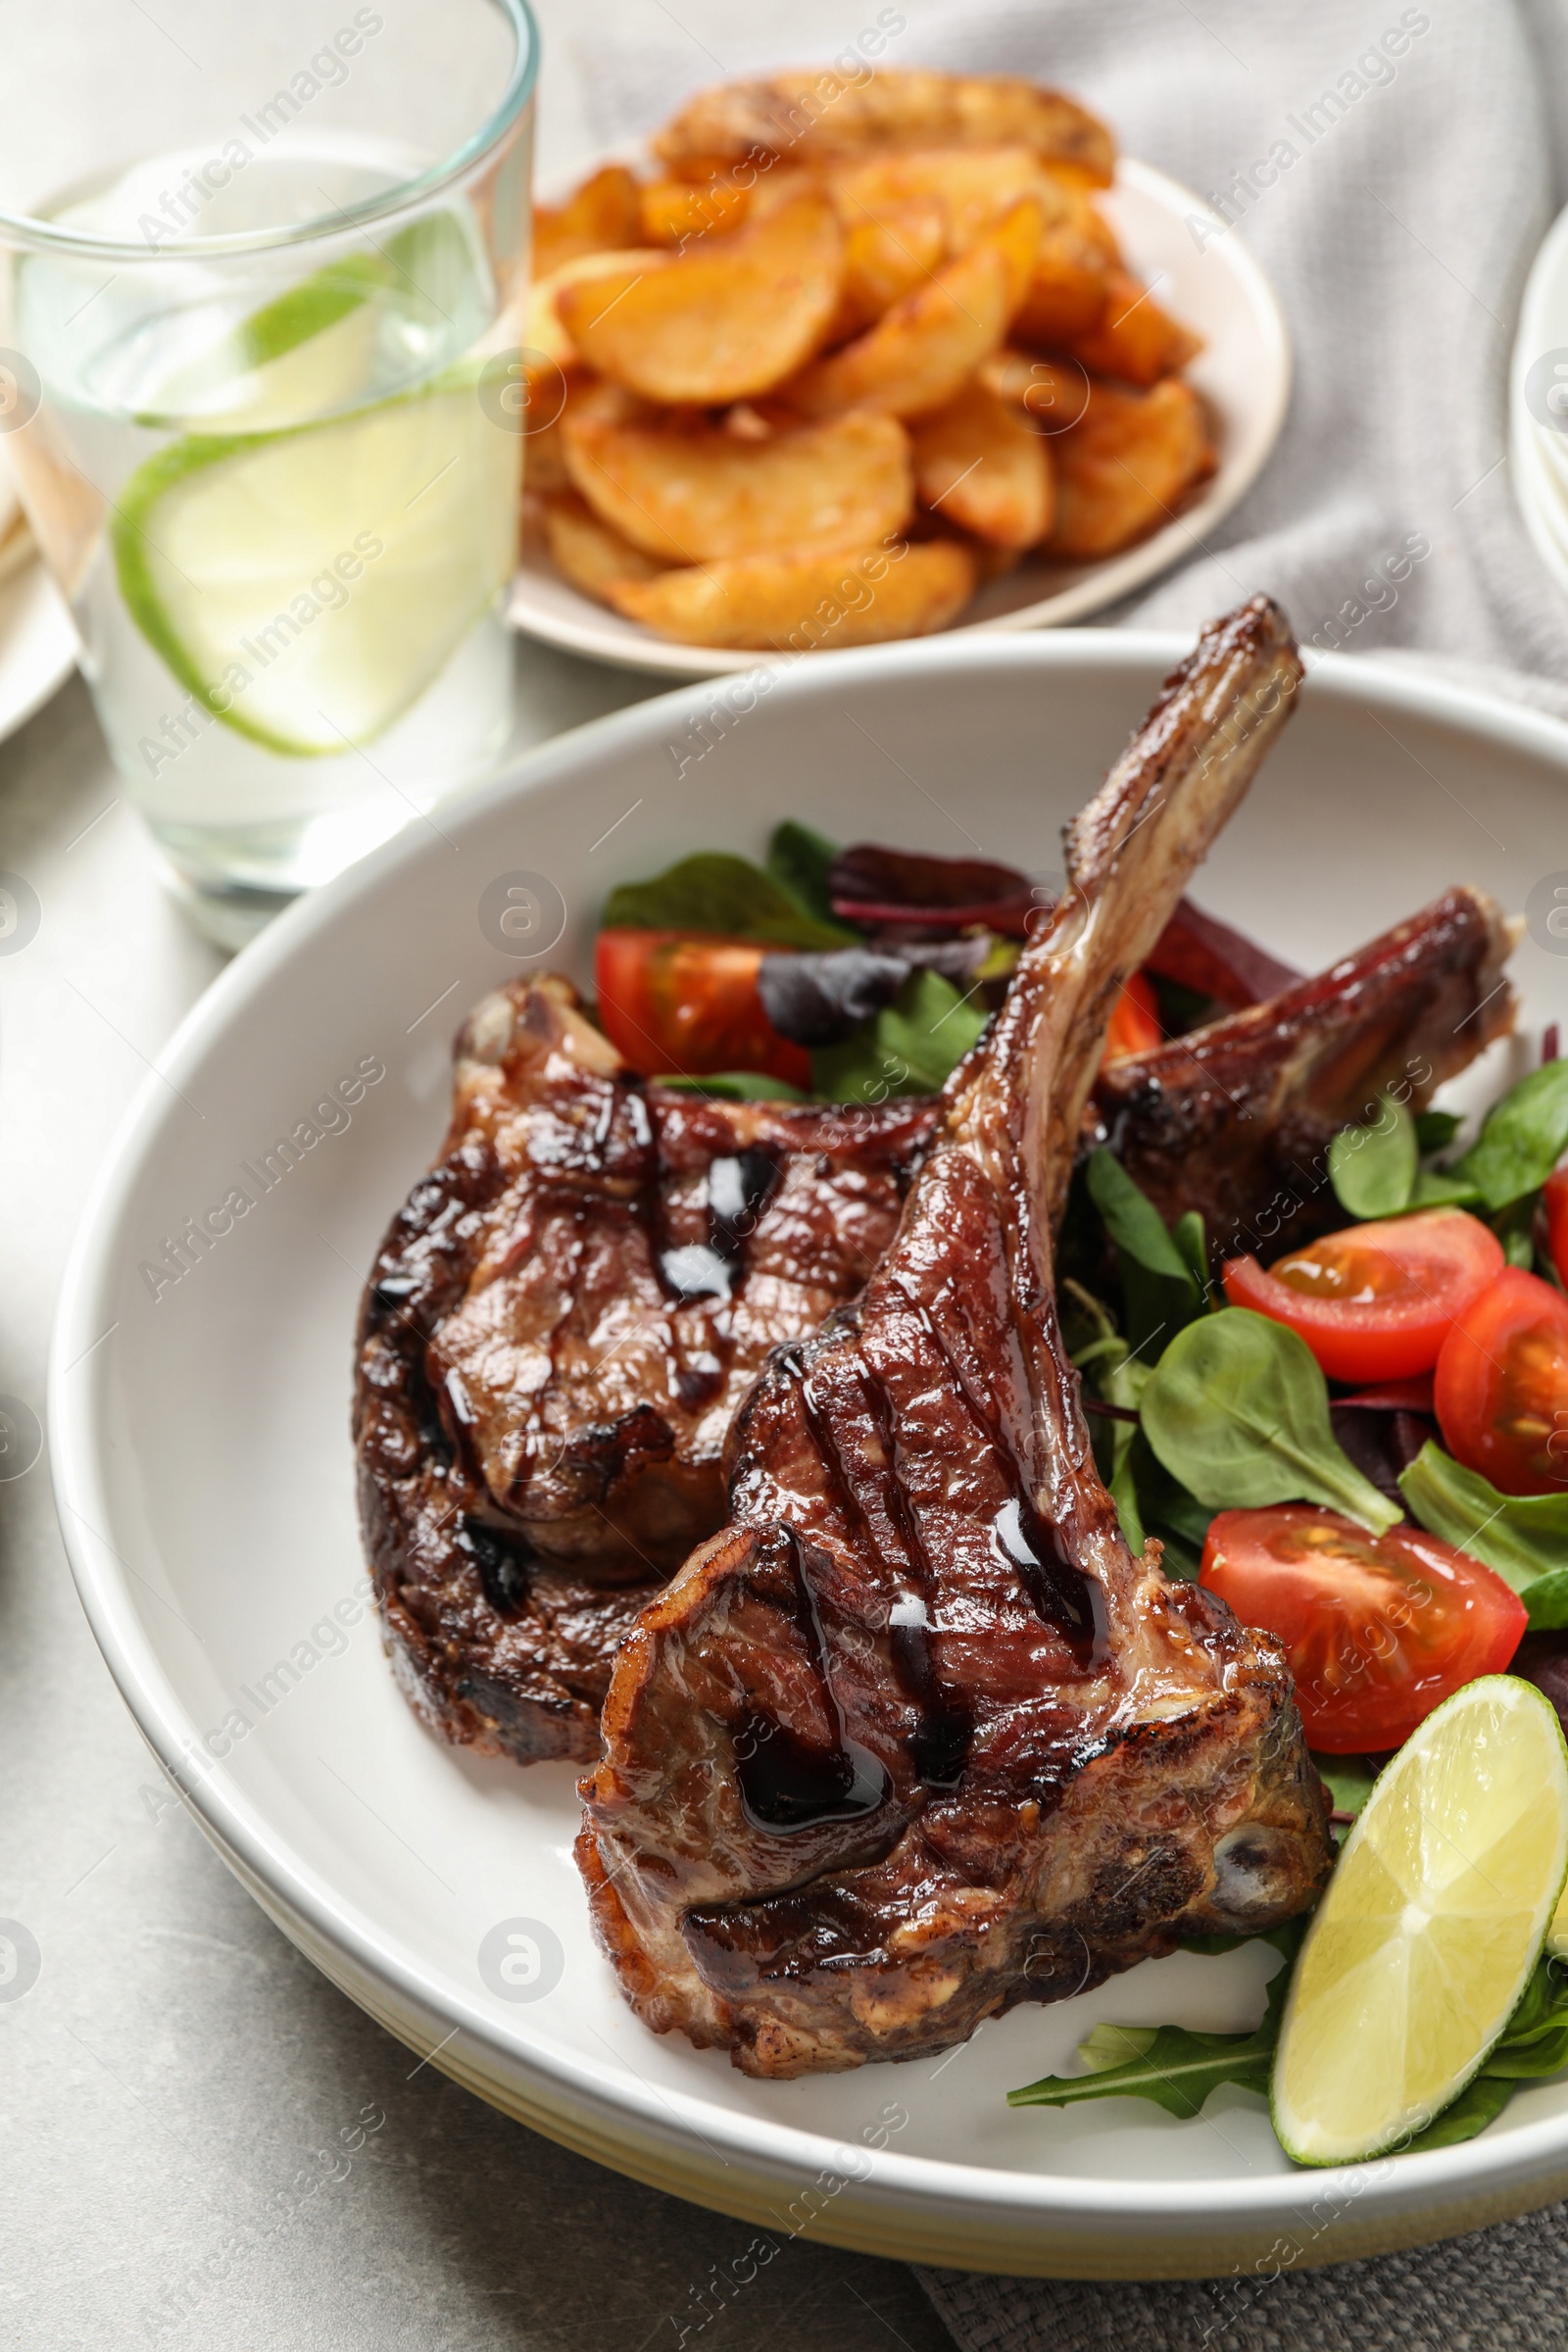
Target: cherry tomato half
{"type": "Point", "coordinates": [1554, 1199]}
{"type": "Point", "coordinates": [1501, 1386]}
{"type": "Point", "coordinates": [671, 1003]}
{"type": "Point", "coordinates": [1378, 1627]}
{"type": "Point", "coordinates": [1374, 1302]}
{"type": "Point", "coordinates": [1135, 1025]}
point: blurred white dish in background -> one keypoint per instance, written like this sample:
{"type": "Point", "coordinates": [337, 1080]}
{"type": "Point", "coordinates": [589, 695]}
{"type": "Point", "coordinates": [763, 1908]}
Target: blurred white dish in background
{"type": "Point", "coordinates": [1538, 403]}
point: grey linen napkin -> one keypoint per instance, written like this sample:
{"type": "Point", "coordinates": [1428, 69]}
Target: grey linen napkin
{"type": "Point", "coordinates": [1401, 201]}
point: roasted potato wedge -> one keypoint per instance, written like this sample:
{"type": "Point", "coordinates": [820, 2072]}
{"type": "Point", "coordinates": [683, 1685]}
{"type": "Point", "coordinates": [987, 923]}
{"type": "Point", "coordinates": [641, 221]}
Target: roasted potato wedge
{"type": "Point", "coordinates": [972, 187]}
{"type": "Point", "coordinates": [728, 320]}
{"type": "Point", "coordinates": [1126, 466]}
{"type": "Point", "coordinates": [979, 464]}
{"type": "Point", "coordinates": [1053, 393]}
{"type": "Point", "coordinates": [790, 602]}
{"type": "Point", "coordinates": [929, 344]}
{"type": "Point", "coordinates": [809, 116]}
{"type": "Point", "coordinates": [1135, 338]}
{"type": "Point", "coordinates": [1016, 234]}
{"type": "Point", "coordinates": [886, 254]}
{"type": "Point", "coordinates": [675, 211]}
{"type": "Point", "coordinates": [603, 214]}
{"type": "Point", "coordinates": [688, 496]}
{"type": "Point", "coordinates": [544, 466]}
{"type": "Point", "coordinates": [546, 329]}
{"type": "Point", "coordinates": [1070, 284]}
{"type": "Point", "coordinates": [591, 555]}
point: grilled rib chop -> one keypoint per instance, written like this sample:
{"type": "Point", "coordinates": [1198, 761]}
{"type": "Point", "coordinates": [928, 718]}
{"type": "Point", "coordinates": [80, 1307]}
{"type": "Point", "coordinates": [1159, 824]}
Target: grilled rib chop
{"type": "Point", "coordinates": [1236, 1120]}
{"type": "Point", "coordinates": [558, 1328]}
{"type": "Point", "coordinates": [915, 1738]}
{"type": "Point", "coordinates": [505, 1625]}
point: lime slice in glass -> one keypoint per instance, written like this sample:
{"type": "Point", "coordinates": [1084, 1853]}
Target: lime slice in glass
{"type": "Point", "coordinates": [1433, 1920]}
{"type": "Point", "coordinates": [308, 586]}
{"type": "Point", "coordinates": [358, 329]}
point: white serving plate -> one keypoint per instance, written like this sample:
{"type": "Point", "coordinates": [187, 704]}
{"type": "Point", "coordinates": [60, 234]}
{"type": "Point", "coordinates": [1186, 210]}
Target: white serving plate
{"type": "Point", "coordinates": [205, 1483]}
{"type": "Point", "coordinates": [1243, 372]}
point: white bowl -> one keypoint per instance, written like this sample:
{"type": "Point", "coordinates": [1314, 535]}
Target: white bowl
{"type": "Point", "coordinates": [1200, 269]}
{"type": "Point", "coordinates": [205, 1487]}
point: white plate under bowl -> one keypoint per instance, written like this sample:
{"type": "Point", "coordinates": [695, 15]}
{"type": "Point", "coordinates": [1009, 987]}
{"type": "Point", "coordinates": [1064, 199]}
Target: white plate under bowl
{"type": "Point", "coordinates": [38, 644]}
{"type": "Point", "coordinates": [205, 1489]}
{"type": "Point", "coordinates": [1198, 269]}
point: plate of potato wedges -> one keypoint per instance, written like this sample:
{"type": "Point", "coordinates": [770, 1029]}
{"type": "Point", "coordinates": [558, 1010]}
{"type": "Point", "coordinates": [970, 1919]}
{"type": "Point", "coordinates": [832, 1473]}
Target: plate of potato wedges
{"type": "Point", "coordinates": [839, 362]}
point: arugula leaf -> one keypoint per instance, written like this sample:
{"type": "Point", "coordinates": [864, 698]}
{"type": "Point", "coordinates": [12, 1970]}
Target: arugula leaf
{"type": "Point", "coordinates": [1238, 1411]}
{"type": "Point", "coordinates": [733, 1086]}
{"type": "Point", "coordinates": [1178, 2069]}
{"type": "Point", "coordinates": [1373, 1168]}
{"type": "Point", "coordinates": [1480, 2103]}
{"type": "Point", "coordinates": [729, 896]}
{"type": "Point", "coordinates": [1171, 2064]}
{"type": "Point", "coordinates": [1435, 1130]}
{"type": "Point", "coordinates": [1524, 1537]}
{"type": "Point", "coordinates": [1158, 1291]}
{"type": "Point", "coordinates": [908, 1048]}
{"type": "Point", "coordinates": [798, 860]}
{"type": "Point", "coordinates": [1521, 1140]}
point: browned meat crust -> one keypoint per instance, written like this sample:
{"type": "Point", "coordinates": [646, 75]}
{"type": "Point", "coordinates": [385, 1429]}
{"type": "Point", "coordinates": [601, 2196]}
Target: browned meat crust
{"type": "Point", "coordinates": [1235, 1119]}
{"type": "Point", "coordinates": [915, 1738]}
{"type": "Point", "coordinates": [559, 1325]}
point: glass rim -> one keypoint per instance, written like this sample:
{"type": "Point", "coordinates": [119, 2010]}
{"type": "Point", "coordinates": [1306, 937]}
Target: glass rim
{"type": "Point", "coordinates": [33, 234]}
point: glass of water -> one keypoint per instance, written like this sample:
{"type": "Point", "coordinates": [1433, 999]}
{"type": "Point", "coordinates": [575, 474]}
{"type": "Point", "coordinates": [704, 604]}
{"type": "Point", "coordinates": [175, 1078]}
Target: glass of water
{"type": "Point", "coordinates": [265, 271]}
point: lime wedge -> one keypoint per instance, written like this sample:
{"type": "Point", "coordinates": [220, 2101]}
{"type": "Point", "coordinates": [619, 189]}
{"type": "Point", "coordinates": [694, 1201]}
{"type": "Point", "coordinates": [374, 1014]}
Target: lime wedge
{"type": "Point", "coordinates": [308, 586]}
{"type": "Point", "coordinates": [1432, 1923]}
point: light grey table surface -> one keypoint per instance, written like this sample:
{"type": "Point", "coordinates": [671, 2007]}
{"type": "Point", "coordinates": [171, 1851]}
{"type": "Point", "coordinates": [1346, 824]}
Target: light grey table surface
{"type": "Point", "coordinates": [167, 2079]}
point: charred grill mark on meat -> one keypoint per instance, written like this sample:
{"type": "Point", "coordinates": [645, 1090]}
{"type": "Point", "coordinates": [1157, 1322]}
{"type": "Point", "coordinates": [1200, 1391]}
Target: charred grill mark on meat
{"type": "Point", "coordinates": [1077, 1762]}
{"type": "Point", "coordinates": [556, 1330]}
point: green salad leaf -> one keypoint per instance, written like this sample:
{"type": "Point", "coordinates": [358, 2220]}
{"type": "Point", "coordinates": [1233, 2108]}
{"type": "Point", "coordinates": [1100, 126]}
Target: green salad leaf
{"type": "Point", "coordinates": [1347, 1778]}
{"type": "Point", "coordinates": [1523, 1538]}
{"type": "Point", "coordinates": [1158, 1291]}
{"type": "Point", "coordinates": [908, 1048]}
{"type": "Point", "coordinates": [1114, 1374]}
{"type": "Point", "coordinates": [798, 860]}
{"type": "Point", "coordinates": [1434, 1189]}
{"type": "Point", "coordinates": [729, 896]}
{"type": "Point", "coordinates": [1191, 1242]}
{"type": "Point", "coordinates": [1373, 1169]}
{"type": "Point", "coordinates": [1237, 1412]}
{"type": "Point", "coordinates": [1179, 2070]}
{"type": "Point", "coordinates": [1435, 1130]}
{"type": "Point", "coordinates": [1522, 1138]}
{"type": "Point", "coordinates": [1175, 2066]}
{"type": "Point", "coordinates": [733, 1086]}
